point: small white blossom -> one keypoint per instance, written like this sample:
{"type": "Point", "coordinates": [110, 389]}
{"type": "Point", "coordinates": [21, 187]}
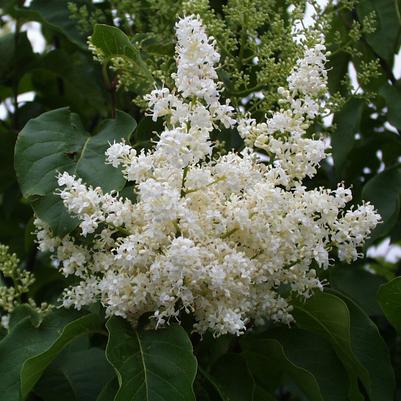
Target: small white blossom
{"type": "Point", "coordinates": [5, 321]}
{"type": "Point", "coordinates": [117, 153]}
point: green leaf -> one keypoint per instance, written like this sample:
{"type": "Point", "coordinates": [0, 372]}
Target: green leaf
{"type": "Point", "coordinates": [65, 77]}
{"type": "Point", "coordinates": [109, 391]}
{"type": "Point", "coordinates": [232, 378]}
{"type": "Point", "coordinates": [268, 363]}
{"type": "Point", "coordinates": [337, 70]}
{"type": "Point", "coordinates": [210, 349]}
{"type": "Point", "coordinates": [55, 142]}
{"type": "Point", "coordinates": [113, 42]}
{"type": "Point", "coordinates": [75, 376]}
{"type": "Point", "coordinates": [205, 388]}
{"type": "Point", "coordinates": [49, 282]}
{"type": "Point", "coordinates": [261, 395]}
{"type": "Point", "coordinates": [22, 312]}
{"type": "Point", "coordinates": [389, 297]}
{"type": "Point", "coordinates": [337, 65]}
{"type": "Point", "coordinates": [358, 284]}
{"type": "Point", "coordinates": [145, 133]}
{"type": "Point", "coordinates": [294, 355]}
{"type": "Point", "coordinates": [314, 354]}
{"type": "Point", "coordinates": [371, 349]}
{"type": "Point", "coordinates": [392, 95]}
{"type": "Point", "coordinates": [7, 6]}
{"type": "Point", "coordinates": [15, 61]}
{"type": "Point", "coordinates": [55, 15]}
{"type": "Point", "coordinates": [347, 123]}
{"type": "Point", "coordinates": [355, 339]}
{"type": "Point", "coordinates": [27, 351]}
{"type": "Point", "coordinates": [50, 209]}
{"type": "Point", "coordinates": [383, 190]}
{"type": "Point", "coordinates": [7, 49]}
{"type": "Point", "coordinates": [151, 365]}
{"type": "Point", "coordinates": [384, 40]}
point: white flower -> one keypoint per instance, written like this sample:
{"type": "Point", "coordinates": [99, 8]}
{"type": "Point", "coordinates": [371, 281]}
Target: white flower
{"type": "Point", "coordinates": [5, 321]}
{"type": "Point", "coordinates": [309, 76]}
{"type": "Point", "coordinates": [213, 236]}
{"type": "Point", "coordinates": [223, 113]}
{"type": "Point", "coordinates": [196, 58]}
{"type": "Point", "coordinates": [161, 203]}
{"type": "Point", "coordinates": [85, 293]}
{"type": "Point", "coordinates": [117, 153]}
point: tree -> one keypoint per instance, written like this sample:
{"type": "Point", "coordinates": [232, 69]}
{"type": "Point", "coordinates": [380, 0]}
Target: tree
{"type": "Point", "coordinates": [88, 85]}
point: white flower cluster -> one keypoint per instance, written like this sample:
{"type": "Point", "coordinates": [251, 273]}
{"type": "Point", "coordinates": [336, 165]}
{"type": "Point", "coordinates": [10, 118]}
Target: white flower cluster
{"type": "Point", "coordinates": [282, 136]}
{"type": "Point", "coordinates": [230, 239]}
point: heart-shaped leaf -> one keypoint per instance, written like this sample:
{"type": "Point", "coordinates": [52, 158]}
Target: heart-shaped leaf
{"type": "Point", "coordinates": [28, 350]}
{"type": "Point", "coordinates": [152, 365]}
{"type": "Point", "coordinates": [55, 142]}
{"type": "Point", "coordinates": [355, 339]}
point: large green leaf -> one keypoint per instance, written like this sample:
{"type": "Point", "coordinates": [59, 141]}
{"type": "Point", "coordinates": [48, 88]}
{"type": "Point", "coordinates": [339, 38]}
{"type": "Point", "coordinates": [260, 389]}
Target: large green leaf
{"type": "Point", "coordinates": [205, 388]}
{"type": "Point", "coordinates": [22, 312]}
{"type": "Point", "coordinates": [292, 354]}
{"type": "Point", "coordinates": [261, 395]}
{"type": "Point", "coordinates": [384, 40]}
{"type": "Point", "coordinates": [210, 349]}
{"type": "Point", "coordinates": [55, 142]}
{"type": "Point", "coordinates": [76, 375]}
{"type": "Point", "coordinates": [65, 77]}
{"type": "Point", "coordinates": [337, 65]}
{"type": "Point", "coordinates": [17, 57]}
{"type": "Point", "coordinates": [343, 139]}
{"type": "Point", "coordinates": [389, 297]}
{"type": "Point", "coordinates": [232, 378]}
{"type": "Point", "coordinates": [151, 365]}
{"type": "Point", "coordinates": [55, 15]}
{"type": "Point", "coordinates": [109, 391]}
{"type": "Point", "coordinates": [383, 190]}
{"type": "Point", "coordinates": [28, 350]}
{"type": "Point", "coordinates": [50, 209]}
{"type": "Point", "coordinates": [359, 284]}
{"type": "Point", "coordinates": [268, 364]}
{"type": "Point", "coordinates": [355, 339]}
{"type": "Point", "coordinates": [371, 350]}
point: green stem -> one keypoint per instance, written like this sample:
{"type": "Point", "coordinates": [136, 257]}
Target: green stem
{"type": "Point", "coordinates": [228, 233]}
{"type": "Point", "coordinates": [243, 42]}
{"type": "Point", "coordinates": [184, 177]}
{"type": "Point", "coordinates": [247, 91]}
{"type": "Point", "coordinates": [249, 58]}
{"type": "Point", "coordinates": [190, 191]}
{"type": "Point", "coordinates": [16, 81]}
{"type": "Point", "coordinates": [256, 255]}
{"type": "Point", "coordinates": [341, 48]}
{"type": "Point", "coordinates": [111, 87]}
{"type": "Point", "coordinates": [256, 105]}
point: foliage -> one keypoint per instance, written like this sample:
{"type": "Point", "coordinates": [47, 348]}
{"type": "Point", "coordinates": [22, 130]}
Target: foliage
{"type": "Point", "coordinates": [344, 344]}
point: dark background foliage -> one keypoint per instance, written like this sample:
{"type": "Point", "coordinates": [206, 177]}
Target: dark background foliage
{"type": "Point", "coordinates": [342, 343]}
